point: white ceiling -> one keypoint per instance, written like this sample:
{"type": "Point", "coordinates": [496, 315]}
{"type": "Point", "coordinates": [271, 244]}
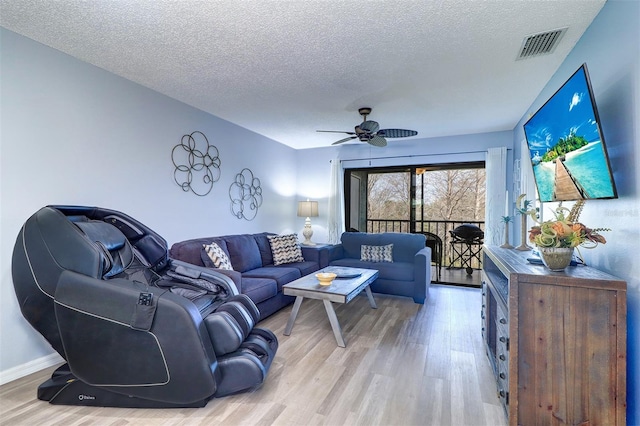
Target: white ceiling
{"type": "Point", "coordinates": [284, 69]}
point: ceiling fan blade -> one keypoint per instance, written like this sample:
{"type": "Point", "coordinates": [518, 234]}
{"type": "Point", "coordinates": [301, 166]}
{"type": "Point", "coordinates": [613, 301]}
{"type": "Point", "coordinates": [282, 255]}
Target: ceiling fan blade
{"type": "Point", "coordinates": [378, 141]}
{"type": "Point", "coordinates": [335, 131]}
{"type": "Point", "coordinates": [397, 133]}
{"type": "Point", "coordinates": [350, 138]}
{"type": "Point", "coordinates": [369, 126]}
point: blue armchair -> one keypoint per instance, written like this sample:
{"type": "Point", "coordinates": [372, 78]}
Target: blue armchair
{"type": "Point", "coordinates": [409, 272]}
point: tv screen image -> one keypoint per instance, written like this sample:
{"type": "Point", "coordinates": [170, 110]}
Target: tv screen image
{"type": "Point", "coordinates": [566, 145]}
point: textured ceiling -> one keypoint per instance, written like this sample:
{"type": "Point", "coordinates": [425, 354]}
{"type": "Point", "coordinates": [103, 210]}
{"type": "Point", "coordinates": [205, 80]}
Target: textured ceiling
{"type": "Point", "coordinates": [284, 69]}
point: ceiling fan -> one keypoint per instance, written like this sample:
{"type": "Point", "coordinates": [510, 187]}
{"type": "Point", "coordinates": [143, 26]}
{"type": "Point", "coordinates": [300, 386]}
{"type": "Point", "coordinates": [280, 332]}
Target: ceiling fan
{"type": "Point", "coordinates": [370, 132]}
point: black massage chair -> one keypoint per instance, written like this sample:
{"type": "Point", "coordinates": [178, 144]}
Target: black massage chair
{"type": "Point", "coordinates": [136, 328]}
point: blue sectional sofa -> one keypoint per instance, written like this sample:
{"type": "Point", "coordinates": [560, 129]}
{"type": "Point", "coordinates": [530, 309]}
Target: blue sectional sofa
{"type": "Point", "coordinates": [254, 273]}
{"type": "Point", "coordinates": [407, 273]}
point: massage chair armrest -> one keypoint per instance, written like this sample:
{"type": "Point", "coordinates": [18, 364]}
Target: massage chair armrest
{"type": "Point", "coordinates": [209, 274]}
{"type": "Point", "coordinates": [134, 339]}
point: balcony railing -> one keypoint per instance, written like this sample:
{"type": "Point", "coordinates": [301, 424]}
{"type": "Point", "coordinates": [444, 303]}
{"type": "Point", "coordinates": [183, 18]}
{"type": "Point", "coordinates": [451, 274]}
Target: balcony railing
{"type": "Point", "coordinates": [441, 228]}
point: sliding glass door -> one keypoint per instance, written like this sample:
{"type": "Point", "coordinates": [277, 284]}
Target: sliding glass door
{"type": "Point", "coordinates": [428, 199]}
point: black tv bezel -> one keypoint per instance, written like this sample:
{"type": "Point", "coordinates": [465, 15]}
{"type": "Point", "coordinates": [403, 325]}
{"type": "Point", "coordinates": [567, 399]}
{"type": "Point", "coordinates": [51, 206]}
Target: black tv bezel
{"type": "Point", "coordinates": [600, 132]}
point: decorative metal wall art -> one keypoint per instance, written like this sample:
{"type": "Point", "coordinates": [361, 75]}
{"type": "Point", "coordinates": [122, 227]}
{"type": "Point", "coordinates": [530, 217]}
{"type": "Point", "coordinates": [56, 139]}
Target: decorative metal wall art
{"type": "Point", "coordinates": [197, 164]}
{"type": "Point", "coordinates": [246, 195]}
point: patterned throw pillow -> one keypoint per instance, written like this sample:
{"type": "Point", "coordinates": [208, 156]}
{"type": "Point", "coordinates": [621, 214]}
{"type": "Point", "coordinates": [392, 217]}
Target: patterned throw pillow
{"type": "Point", "coordinates": [218, 256]}
{"type": "Point", "coordinates": [285, 249]}
{"type": "Point", "coordinates": [377, 253]}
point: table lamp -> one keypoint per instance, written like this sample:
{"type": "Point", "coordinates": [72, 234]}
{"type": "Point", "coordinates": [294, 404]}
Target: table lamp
{"type": "Point", "coordinates": [307, 209]}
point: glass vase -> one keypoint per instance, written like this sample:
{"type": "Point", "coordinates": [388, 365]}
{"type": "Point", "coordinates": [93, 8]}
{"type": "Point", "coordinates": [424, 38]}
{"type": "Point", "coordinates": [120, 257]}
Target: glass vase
{"type": "Point", "coordinates": [556, 258]}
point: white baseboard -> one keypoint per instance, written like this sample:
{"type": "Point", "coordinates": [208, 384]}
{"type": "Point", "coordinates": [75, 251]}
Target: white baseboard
{"type": "Point", "coordinates": [27, 368]}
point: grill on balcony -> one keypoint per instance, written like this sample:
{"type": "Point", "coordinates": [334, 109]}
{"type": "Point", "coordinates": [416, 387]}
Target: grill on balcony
{"type": "Point", "coordinates": [442, 230]}
{"type": "Point", "coordinates": [466, 246]}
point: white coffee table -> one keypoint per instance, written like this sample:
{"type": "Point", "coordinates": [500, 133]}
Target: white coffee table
{"type": "Point", "coordinates": [341, 290]}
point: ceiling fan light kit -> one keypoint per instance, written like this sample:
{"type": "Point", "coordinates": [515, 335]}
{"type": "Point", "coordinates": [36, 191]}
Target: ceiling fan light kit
{"type": "Point", "coordinates": [369, 131]}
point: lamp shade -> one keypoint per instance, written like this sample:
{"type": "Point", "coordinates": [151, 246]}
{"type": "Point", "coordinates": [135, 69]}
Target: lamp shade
{"type": "Point", "coordinates": [307, 208]}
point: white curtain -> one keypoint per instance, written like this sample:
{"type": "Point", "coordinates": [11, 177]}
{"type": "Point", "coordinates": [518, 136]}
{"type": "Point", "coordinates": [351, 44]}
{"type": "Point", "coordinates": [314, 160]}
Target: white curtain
{"type": "Point", "coordinates": [335, 223]}
{"type": "Point", "coordinates": [496, 194]}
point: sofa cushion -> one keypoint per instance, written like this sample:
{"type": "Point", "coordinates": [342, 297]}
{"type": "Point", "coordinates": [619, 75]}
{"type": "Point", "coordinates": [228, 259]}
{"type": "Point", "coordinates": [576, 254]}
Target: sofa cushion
{"type": "Point", "coordinates": [243, 252]}
{"type": "Point", "coordinates": [281, 274]}
{"type": "Point", "coordinates": [307, 267]}
{"type": "Point", "coordinates": [264, 247]}
{"type": "Point", "coordinates": [376, 253]}
{"type": "Point", "coordinates": [397, 271]}
{"type": "Point", "coordinates": [259, 289]}
{"type": "Point", "coordinates": [285, 249]}
{"type": "Point", "coordinates": [218, 256]}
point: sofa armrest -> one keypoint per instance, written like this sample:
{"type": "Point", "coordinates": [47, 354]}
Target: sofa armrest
{"type": "Point", "coordinates": [335, 252]}
{"type": "Point", "coordinates": [318, 254]}
{"type": "Point", "coordinates": [422, 273]}
{"type": "Point", "coordinates": [311, 254]}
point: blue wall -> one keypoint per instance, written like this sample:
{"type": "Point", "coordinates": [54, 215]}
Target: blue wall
{"type": "Point", "coordinates": [610, 47]}
{"type": "Point", "coordinates": [73, 133]}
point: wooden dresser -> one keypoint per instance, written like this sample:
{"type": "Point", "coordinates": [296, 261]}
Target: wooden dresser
{"type": "Point", "coordinates": [556, 340]}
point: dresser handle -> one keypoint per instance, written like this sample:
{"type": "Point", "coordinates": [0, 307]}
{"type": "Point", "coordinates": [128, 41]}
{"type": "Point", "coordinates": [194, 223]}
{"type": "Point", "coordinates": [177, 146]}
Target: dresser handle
{"type": "Point", "coordinates": [503, 321]}
{"type": "Point", "coordinates": [503, 339]}
{"type": "Point", "coordinates": [503, 376]}
{"type": "Point", "coordinates": [502, 357]}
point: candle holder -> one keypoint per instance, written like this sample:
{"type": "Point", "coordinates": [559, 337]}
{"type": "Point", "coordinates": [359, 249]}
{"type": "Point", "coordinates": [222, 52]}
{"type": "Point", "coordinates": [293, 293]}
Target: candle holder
{"type": "Point", "coordinates": [506, 220]}
{"type": "Point", "coordinates": [523, 236]}
{"type": "Point", "coordinates": [525, 209]}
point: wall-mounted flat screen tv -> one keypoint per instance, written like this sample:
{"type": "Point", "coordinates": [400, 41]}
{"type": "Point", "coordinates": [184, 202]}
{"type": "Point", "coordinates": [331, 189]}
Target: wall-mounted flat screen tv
{"type": "Point", "coordinates": [567, 147]}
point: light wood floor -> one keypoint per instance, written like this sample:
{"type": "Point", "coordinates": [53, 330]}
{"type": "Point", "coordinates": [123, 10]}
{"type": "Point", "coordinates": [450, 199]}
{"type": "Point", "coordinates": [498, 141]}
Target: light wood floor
{"type": "Point", "coordinates": [404, 364]}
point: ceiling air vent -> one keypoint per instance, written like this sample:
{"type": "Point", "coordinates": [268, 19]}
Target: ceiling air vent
{"type": "Point", "coordinates": [541, 43]}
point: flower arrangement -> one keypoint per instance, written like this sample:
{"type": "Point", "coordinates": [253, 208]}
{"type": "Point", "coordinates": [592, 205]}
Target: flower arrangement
{"type": "Point", "coordinates": [565, 230]}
